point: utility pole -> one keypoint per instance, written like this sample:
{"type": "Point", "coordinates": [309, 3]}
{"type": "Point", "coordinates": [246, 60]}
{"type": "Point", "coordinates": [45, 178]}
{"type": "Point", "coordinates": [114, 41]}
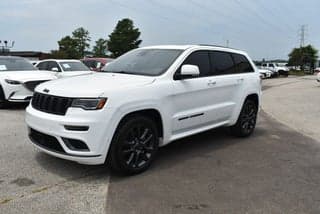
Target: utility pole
{"type": "Point", "coordinates": [5, 47]}
{"type": "Point", "coordinates": [227, 43]}
{"type": "Point", "coordinates": [302, 35]}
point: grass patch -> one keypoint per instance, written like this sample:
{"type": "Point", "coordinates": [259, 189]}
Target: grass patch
{"type": "Point", "coordinates": [4, 201]}
{"type": "Point", "coordinates": [296, 73]}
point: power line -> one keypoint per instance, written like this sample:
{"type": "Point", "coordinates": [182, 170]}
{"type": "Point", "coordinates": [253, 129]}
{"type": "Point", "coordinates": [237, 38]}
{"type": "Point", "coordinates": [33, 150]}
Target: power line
{"type": "Point", "coordinates": [262, 19]}
{"type": "Point", "coordinates": [273, 13]}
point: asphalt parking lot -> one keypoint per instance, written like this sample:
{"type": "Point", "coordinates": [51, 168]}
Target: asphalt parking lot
{"type": "Point", "coordinates": [277, 170]}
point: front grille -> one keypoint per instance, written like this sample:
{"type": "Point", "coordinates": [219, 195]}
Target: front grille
{"type": "Point", "coordinates": [51, 104]}
{"type": "Point", "coordinates": [31, 85]}
{"type": "Point", "coordinates": [46, 141]}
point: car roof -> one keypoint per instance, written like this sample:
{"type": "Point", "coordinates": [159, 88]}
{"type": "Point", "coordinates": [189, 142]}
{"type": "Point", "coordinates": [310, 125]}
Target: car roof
{"type": "Point", "coordinates": [61, 60]}
{"type": "Point", "coordinates": [97, 58]}
{"type": "Point", "coordinates": [201, 46]}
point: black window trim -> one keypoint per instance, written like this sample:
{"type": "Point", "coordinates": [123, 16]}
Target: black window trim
{"type": "Point", "coordinates": [176, 73]}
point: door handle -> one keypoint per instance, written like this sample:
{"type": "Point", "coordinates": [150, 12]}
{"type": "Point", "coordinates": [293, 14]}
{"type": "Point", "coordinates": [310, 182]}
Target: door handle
{"type": "Point", "coordinates": [240, 80]}
{"type": "Point", "coordinates": [212, 83]}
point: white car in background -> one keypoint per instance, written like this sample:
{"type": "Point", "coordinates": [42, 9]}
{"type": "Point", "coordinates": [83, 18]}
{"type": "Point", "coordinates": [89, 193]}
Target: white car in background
{"type": "Point", "coordinates": [18, 78]}
{"type": "Point", "coordinates": [64, 67]}
{"type": "Point", "coordinates": [277, 68]}
{"type": "Point", "coordinates": [265, 73]}
{"type": "Point", "coordinates": [318, 77]}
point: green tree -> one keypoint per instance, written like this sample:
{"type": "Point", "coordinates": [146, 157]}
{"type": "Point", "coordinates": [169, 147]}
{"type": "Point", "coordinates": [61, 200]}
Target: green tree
{"type": "Point", "coordinates": [124, 38]}
{"type": "Point", "coordinates": [303, 56]}
{"type": "Point", "coordinates": [68, 46]}
{"type": "Point", "coordinates": [73, 47]}
{"type": "Point", "coordinates": [82, 39]}
{"type": "Point", "coordinates": [58, 54]}
{"type": "Point", "coordinates": [99, 50]}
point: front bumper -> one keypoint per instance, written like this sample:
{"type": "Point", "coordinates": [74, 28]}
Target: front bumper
{"type": "Point", "coordinates": [18, 93]}
{"type": "Point", "coordinates": [95, 138]}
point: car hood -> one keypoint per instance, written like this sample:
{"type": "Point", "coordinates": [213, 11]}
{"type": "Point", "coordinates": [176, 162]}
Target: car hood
{"type": "Point", "coordinates": [93, 85]}
{"type": "Point", "coordinates": [25, 76]}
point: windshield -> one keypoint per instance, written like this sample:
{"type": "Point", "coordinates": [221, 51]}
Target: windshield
{"type": "Point", "coordinates": [74, 66]}
{"type": "Point", "coordinates": [15, 64]}
{"type": "Point", "coordinates": [150, 62]}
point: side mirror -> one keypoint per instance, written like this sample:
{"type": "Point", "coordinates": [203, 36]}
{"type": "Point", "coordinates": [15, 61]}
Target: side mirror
{"type": "Point", "coordinates": [55, 69]}
{"type": "Point", "coordinates": [189, 71]}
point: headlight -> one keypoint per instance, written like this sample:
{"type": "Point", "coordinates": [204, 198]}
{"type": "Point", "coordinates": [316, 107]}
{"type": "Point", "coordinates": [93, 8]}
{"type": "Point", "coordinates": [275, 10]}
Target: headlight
{"type": "Point", "coordinates": [89, 104]}
{"type": "Point", "coordinates": [13, 82]}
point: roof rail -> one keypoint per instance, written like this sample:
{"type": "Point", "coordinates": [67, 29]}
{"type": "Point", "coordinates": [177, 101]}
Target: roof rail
{"type": "Point", "coordinates": [218, 46]}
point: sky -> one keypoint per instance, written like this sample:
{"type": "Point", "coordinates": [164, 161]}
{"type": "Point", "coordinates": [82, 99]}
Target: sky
{"type": "Point", "coordinates": [264, 28]}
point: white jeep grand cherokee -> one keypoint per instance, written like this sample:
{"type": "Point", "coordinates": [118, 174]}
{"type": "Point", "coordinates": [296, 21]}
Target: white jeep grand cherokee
{"type": "Point", "coordinates": [145, 99]}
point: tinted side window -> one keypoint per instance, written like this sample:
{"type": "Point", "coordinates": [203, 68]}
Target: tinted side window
{"type": "Point", "coordinates": [221, 63]}
{"type": "Point", "coordinates": [201, 59]}
{"type": "Point", "coordinates": [43, 66]}
{"type": "Point", "coordinates": [53, 64]}
{"type": "Point", "coordinates": [242, 63]}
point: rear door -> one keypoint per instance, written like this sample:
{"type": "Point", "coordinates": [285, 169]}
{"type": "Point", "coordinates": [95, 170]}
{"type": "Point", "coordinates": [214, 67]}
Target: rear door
{"type": "Point", "coordinates": [226, 83]}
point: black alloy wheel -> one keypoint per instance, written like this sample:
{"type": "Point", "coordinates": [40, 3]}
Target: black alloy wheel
{"type": "Point", "coordinates": [134, 145]}
{"type": "Point", "coordinates": [247, 120]}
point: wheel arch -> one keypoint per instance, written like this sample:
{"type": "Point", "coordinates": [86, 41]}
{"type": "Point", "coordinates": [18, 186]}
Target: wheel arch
{"type": "Point", "coordinates": [254, 97]}
{"type": "Point", "coordinates": [2, 93]}
{"type": "Point", "coordinates": [151, 113]}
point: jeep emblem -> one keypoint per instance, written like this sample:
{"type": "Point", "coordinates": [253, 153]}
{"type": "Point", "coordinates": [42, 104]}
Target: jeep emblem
{"type": "Point", "coordinates": [46, 90]}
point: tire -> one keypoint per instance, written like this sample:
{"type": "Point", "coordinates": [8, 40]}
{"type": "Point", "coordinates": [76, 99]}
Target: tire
{"type": "Point", "coordinates": [134, 145]}
{"type": "Point", "coordinates": [246, 121]}
{"type": "Point", "coordinates": [3, 102]}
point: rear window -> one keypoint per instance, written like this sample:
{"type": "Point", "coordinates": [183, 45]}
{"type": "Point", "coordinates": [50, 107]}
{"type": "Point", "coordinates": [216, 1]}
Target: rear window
{"type": "Point", "coordinates": [242, 64]}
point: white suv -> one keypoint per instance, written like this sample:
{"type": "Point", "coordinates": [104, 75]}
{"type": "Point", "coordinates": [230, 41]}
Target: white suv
{"type": "Point", "coordinates": [146, 98]}
{"type": "Point", "coordinates": [276, 68]}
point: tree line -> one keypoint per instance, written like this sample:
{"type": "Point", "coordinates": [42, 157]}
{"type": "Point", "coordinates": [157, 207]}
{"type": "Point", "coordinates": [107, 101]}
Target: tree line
{"type": "Point", "coordinates": [124, 38]}
{"type": "Point", "coordinates": [304, 57]}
